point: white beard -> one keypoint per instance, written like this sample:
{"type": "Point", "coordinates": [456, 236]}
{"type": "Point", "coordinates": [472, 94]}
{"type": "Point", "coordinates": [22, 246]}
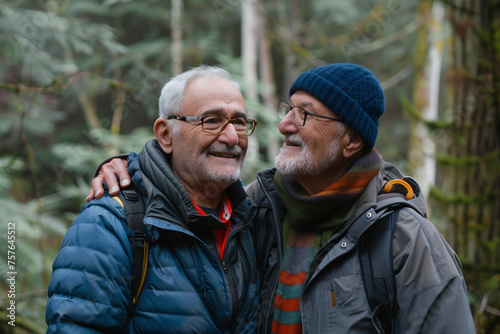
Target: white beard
{"type": "Point", "coordinates": [302, 163]}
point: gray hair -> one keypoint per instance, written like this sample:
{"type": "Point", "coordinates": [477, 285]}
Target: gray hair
{"type": "Point", "coordinates": [172, 94]}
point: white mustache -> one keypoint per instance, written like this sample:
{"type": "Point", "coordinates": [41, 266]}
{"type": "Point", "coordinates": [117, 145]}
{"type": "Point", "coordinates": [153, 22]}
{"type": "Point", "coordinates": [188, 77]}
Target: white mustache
{"type": "Point", "coordinates": [294, 139]}
{"type": "Point", "coordinates": [224, 149]}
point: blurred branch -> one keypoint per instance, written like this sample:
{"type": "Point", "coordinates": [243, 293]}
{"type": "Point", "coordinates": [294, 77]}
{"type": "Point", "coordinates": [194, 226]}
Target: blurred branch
{"type": "Point", "coordinates": [379, 43]}
{"type": "Point", "coordinates": [56, 84]}
{"type": "Point", "coordinates": [119, 105]}
{"type": "Point", "coordinates": [484, 307]}
{"type": "Point", "coordinates": [398, 77]}
{"type": "Point", "coordinates": [24, 324]}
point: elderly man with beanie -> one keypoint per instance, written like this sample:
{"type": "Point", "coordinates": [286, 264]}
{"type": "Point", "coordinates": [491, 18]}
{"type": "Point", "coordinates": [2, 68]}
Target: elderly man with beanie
{"type": "Point", "coordinates": [312, 208]}
{"type": "Point", "coordinates": [317, 205]}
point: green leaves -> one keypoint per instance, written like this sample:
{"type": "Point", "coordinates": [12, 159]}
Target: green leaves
{"type": "Point", "coordinates": [48, 43]}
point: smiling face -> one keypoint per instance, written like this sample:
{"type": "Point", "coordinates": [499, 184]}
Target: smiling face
{"type": "Point", "coordinates": [201, 159]}
{"type": "Point", "coordinates": [315, 154]}
{"type": "Point", "coordinates": [310, 149]}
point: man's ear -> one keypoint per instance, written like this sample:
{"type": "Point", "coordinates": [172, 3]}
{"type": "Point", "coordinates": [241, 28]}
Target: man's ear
{"type": "Point", "coordinates": [354, 144]}
{"type": "Point", "coordinates": [163, 133]}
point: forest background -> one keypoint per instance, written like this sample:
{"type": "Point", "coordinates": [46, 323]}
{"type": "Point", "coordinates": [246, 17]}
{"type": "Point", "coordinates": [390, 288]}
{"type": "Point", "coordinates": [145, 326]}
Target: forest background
{"type": "Point", "coordinates": [80, 80]}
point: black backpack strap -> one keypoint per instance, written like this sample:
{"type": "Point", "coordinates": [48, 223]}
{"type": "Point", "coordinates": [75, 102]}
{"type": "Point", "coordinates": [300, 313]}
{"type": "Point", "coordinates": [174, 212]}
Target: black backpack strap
{"type": "Point", "coordinates": [262, 236]}
{"type": "Point", "coordinates": [377, 270]}
{"type": "Point", "coordinates": [135, 211]}
{"type": "Point", "coordinates": [376, 251]}
{"type": "Point", "coordinates": [263, 231]}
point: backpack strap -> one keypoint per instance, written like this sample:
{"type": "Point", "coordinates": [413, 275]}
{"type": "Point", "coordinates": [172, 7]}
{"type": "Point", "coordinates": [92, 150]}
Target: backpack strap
{"type": "Point", "coordinates": [262, 236]}
{"type": "Point", "coordinates": [377, 270]}
{"type": "Point", "coordinates": [132, 202]}
{"type": "Point", "coordinates": [263, 231]}
{"type": "Point", "coordinates": [375, 255]}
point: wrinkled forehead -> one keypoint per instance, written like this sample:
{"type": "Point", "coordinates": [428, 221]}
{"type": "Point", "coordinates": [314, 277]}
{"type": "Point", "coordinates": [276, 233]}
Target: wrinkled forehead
{"type": "Point", "coordinates": [213, 94]}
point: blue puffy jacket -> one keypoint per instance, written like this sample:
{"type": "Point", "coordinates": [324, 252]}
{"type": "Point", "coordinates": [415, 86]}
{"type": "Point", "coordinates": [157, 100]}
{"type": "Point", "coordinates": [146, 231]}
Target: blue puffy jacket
{"type": "Point", "coordinates": [189, 289]}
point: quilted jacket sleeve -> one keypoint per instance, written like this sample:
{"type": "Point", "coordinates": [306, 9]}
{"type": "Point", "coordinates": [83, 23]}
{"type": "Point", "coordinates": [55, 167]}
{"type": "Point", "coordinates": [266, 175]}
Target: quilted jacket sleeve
{"type": "Point", "coordinates": [89, 291]}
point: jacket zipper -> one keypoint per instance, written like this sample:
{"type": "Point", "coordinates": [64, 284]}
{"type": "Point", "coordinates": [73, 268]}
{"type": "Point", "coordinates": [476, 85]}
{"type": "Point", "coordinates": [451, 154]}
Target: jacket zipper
{"type": "Point", "coordinates": [231, 288]}
{"type": "Point", "coordinates": [223, 265]}
{"type": "Point", "coordinates": [248, 304]}
{"type": "Point", "coordinates": [234, 312]}
{"type": "Point", "coordinates": [225, 270]}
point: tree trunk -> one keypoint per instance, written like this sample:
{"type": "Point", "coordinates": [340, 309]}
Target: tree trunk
{"type": "Point", "coordinates": [470, 186]}
{"type": "Point", "coordinates": [176, 27]}
{"type": "Point", "coordinates": [249, 52]}
{"type": "Point", "coordinates": [268, 92]}
{"type": "Point", "coordinates": [426, 95]}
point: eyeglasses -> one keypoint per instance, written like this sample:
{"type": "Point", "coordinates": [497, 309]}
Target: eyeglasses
{"type": "Point", "coordinates": [299, 114]}
{"type": "Point", "coordinates": [216, 123]}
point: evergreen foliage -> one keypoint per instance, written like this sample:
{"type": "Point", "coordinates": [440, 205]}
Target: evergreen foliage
{"type": "Point", "coordinates": [80, 81]}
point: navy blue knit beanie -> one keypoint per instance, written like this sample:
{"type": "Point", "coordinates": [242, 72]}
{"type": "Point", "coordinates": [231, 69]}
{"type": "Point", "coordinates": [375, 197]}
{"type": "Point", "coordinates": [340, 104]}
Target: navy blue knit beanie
{"type": "Point", "coordinates": [351, 91]}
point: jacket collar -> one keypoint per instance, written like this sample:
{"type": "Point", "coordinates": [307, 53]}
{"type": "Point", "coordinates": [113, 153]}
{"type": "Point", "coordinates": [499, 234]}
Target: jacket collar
{"type": "Point", "coordinates": [167, 199]}
{"type": "Point", "coordinates": [370, 195]}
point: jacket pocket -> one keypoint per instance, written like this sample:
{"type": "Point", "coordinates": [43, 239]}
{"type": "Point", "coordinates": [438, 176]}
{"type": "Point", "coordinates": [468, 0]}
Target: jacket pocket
{"type": "Point", "coordinates": [336, 305]}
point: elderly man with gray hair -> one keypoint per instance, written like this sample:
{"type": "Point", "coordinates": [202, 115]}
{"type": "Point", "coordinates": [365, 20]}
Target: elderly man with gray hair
{"type": "Point", "coordinates": [201, 266]}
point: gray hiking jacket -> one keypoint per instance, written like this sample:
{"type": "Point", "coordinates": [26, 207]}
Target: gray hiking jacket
{"type": "Point", "coordinates": [431, 291]}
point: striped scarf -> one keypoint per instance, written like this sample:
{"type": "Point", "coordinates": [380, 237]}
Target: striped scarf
{"type": "Point", "coordinates": [309, 224]}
